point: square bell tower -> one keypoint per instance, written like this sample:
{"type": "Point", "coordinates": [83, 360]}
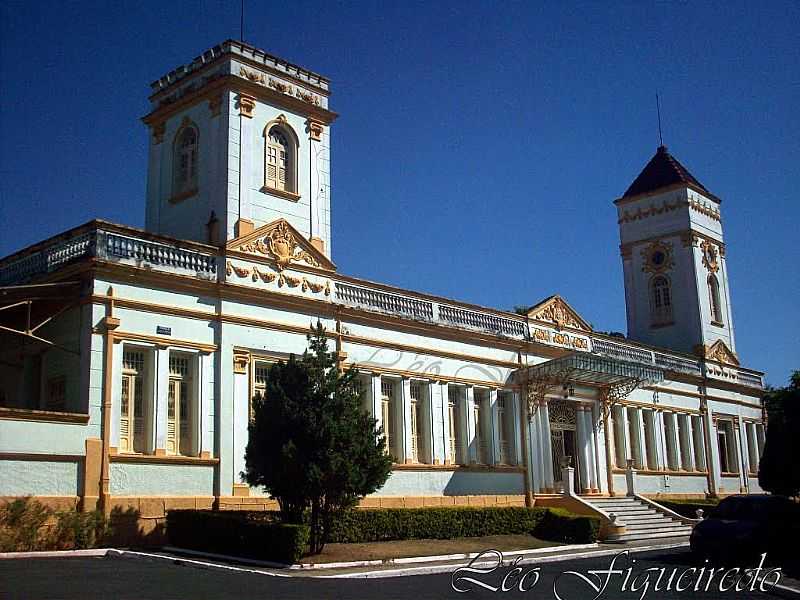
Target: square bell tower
{"type": "Point", "coordinates": [673, 256]}
{"type": "Point", "coordinates": [239, 139]}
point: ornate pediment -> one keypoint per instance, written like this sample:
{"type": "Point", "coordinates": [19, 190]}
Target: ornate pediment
{"type": "Point", "coordinates": [720, 352]}
{"type": "Point", "coordinates": [282, 243]}
{"type": "Point", "coordinates": [555, 310]}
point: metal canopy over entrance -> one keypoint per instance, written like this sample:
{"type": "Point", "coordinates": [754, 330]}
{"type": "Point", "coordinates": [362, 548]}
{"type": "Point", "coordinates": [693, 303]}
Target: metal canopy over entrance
{"type": "Point", "coordinates": [614, 378]}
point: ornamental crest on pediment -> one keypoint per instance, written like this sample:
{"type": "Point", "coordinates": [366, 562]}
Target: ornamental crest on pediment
{"type": "Point", "coordinates": [282, 243]}
{"type": "Point", "coordinates": [555, 310]}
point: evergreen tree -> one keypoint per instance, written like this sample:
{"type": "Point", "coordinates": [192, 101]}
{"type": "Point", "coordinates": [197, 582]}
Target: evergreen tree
{"type": "Point", "coordinates": [311, 445]}
{"type": "Point", "coordinates": [779, 469]}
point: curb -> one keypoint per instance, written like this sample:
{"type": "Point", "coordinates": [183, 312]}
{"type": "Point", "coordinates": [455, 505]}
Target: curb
{"type": "Point", "coordinates": [431, 570]}
{"type": "Point", "coordinates": [188, 561]}
{"type": "Point", "coordinates": [435, 558]}
{"type": "Point", "coordinates": [370, 563]}
{"type": "Point", "coordinates": [55, 553]}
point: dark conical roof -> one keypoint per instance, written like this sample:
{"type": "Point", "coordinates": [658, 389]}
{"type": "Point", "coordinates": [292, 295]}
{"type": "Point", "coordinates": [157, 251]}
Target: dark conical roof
{"type": "Point", "coordinates": [662, 171]}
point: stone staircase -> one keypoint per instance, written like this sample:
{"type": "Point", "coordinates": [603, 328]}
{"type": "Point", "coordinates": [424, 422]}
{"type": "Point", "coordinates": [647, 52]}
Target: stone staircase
{"type": "Point", "coordinates": [641, 520]}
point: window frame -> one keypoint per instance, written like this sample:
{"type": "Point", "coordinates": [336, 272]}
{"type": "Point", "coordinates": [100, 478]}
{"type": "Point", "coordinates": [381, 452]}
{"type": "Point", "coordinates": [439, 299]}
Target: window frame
{"type": "Point", "coordinates": [290, 190]}
{"type": "Point", "coordinates": [714, 302]}
{"type": "Point", "coordinates": [182, 189]}
{"type": "Point", "coordinates": [661, 301]}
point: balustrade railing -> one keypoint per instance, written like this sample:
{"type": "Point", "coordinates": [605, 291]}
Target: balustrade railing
{"type": "Point", "coordinates": [615, 350]}
{"type": "Point", "coordinates": [159, 254]}
{"type": "Point", "coordinates": [484, 321]}
{"type": "Point", "coordinates": [384, 301]}
{"type": "Point", "coordinates": [678, 364]}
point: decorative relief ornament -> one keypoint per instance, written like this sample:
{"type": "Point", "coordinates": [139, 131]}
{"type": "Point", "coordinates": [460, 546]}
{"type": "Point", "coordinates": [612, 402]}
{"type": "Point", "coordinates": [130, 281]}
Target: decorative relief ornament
{"type": "Point", "coordinates": [719, 352]}
{"type": "Point", "coordinates": [283, 279]}
{"type": "Point", "coordinates": [657, 257]}
{"type": "Point", "coordinates": [159, 129]}
{"type": "Point", "coordinates": [315, 129]}
{"type": "Point", "coordinates": [284, 244]}
{"type": "Point", "coordinates": [644, 213]}
{"type": "Point", "coordinates": [247, 104]}
{"type": "Point", "coordinates": [279, 86]}
{"type": "Point", "coordinates": [556, 310]}
{"type": "Point", "coordinates": [710, 256]}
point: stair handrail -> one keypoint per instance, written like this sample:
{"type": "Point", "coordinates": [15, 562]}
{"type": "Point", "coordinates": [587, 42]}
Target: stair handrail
{"type": "Point", "coordinates": [667, 511]}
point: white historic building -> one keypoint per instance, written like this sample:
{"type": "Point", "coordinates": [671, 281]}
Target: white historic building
{"type": "Point", "coordinates": [129, 357]}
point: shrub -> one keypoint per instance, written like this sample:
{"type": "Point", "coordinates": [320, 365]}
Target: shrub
{"type": "Point", "coordinates": [558, 525]}
{"type": "Point", "coordinates": [26, 525]}
{"type": "Point", "coordinates": [237, 533]}
{"type": "Point", "coordinates": [374, 525]}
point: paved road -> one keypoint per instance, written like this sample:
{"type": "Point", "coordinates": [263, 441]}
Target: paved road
{"type": "Point", "coordinates": [121, 578]}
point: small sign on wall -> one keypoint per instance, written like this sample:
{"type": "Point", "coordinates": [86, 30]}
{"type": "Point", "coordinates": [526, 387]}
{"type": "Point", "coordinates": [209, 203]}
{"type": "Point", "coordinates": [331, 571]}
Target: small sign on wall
{"type": "Point", "coordinates": [161, 330]}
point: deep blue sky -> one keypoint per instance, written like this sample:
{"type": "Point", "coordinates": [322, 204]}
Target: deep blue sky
{"type": "Point", "coordinates": [480, 145]}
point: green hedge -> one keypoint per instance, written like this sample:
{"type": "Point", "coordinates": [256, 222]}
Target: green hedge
{"type": "Point", "coordinates": [688, 508]}
{"type": "Point", "coordinates": [257, 534]}
{"type": "Point", "coordinates": [375, 525]}
{"type": "Point", "coordinates": [558, 525]}
{"type": "Point", "coordinates": [237, 533]}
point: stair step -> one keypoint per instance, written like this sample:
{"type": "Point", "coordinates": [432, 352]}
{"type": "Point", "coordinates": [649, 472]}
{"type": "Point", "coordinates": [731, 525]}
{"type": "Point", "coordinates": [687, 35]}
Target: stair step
{"type": "Point", "coordinates": [646, 519]}
{"type": "Point", "coordinates": [632, 537]}
{"type": "Point", "coordinates": [652, 526]}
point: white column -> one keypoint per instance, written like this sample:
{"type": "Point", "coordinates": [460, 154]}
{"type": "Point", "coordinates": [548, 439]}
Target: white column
{"type": "Point", "coordinates": [444, 394]}
{"type": "Point", "coordinates": [629, 454]}
{"type": "Point", "coordinates": [687, 458]}
{"type": "Point", "coordinates": [116, 392]}
{"type": "Point", "coordinates": [689, 427]}
{"type": "Point", "coordinates": [534, 450]}
{"type": "Point", "coordinates": [160, 387]}
{"type": "Point", "coordinates": [640, 441]}
{"type": "Point", "coordinates": [699, 443]}
{"type": "Point", "coordinates": [547, 449]}
{"type": "Point", "coordinates": [207, 404]}
{"type": "Point", "coordinates": [620, 450]}
{"type": "Point", "coordinates": [375, 399]}
{"type": "Point", "coordinates": [516, 443]}
{"type": "Point", "coordinates": [405, 421]}
{"type": "Point", "coordinates": [433, 434]}
{"type": "Point", "coordinates": [659, 432]}
{"type": "Point", "coordinates": [469, 417]}
{"type": "Point", "coordinates": [599, 446]}
{"type": "Point", "coordinates": [241, 410]}
{"type": "Point", "coordinates": [590, 449]}
{"type": "Point", "coordinates": [752, 446]}
{"type": "Point", "coordinates": [494, 425]}
{"type": "Point", "coordinates": [713, 458]}
{"type": "Point", "coordinates": [741, 454]}
{"type": "Point", "coordinates": [584, 464]}
{"type": "Point", "coordinates": [247, 156]}
{"type": "Point", "coordinates": [673, 445]}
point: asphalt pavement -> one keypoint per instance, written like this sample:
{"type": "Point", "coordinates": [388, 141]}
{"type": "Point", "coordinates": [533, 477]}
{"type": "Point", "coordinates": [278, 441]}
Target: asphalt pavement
{"type": "Point", "coordinates": [631, 577]}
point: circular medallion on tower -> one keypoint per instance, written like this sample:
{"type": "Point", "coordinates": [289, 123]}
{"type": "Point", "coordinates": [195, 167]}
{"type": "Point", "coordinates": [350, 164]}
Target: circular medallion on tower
{"type": "Point", "coordinates": [657, 257]}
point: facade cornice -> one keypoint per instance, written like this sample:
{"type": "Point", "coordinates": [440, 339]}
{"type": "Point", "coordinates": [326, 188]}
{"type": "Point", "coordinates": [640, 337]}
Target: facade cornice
{"type": "Point", "coordinates": [233, 83]}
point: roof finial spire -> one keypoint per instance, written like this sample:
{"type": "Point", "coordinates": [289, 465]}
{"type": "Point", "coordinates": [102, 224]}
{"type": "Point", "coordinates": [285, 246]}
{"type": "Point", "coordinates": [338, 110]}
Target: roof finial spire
{"type": "Point", "coordinates": [241, 24]}
{"type": "Point", "coordinates": [658, 111]}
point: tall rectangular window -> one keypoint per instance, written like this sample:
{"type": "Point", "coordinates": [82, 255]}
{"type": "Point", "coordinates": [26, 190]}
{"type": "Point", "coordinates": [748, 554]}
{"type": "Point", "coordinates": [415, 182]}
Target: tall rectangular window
{"type": "Point", "coordinates": [723, 444]}
{"type": "Point", "coordinates": [505, 422]}
{"type": "Point", "coordinates": [456, 443]}
{"type": "Point", "coordinates": [260, 375]}
{"type": "Point", "coordinates": [180, 409]}
{"type": "Point", "coordinates": [388, 411]}
{"type": "Point", "coordinates": [132, 402]}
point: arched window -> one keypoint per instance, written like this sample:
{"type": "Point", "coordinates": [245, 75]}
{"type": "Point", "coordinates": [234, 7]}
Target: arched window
{"type": "Point", "coordinates": [185, 161]}
{"type": "Point", "coordinates": [280, 159]}
{"type": "Point", "coordinates": [713, 299]}
{"type": "Point", "coordinates": [660, 300]}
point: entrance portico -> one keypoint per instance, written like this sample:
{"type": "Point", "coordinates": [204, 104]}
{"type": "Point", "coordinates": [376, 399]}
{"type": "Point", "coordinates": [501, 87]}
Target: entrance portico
{"type": "Point", "coordinates": [569, 400]}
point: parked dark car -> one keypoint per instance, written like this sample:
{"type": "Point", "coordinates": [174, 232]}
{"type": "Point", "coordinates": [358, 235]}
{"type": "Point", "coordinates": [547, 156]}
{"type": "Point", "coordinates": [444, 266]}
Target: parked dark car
{"type": "Point", "coordinates": [745, 526]}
